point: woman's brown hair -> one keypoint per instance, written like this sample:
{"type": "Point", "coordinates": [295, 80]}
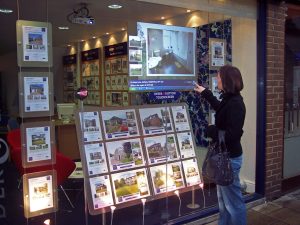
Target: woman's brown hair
{"type": "Point", "coordinates": [231, 78]}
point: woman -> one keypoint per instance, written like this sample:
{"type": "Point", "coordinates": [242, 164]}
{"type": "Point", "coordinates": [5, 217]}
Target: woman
{"type": "Point", "coordinates": [230, 116]}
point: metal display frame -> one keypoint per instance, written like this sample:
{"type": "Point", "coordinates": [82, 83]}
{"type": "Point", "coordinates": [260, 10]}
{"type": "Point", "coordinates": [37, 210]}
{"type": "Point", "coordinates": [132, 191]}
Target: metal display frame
{"type": "Point", "coordinates": [147, 165]}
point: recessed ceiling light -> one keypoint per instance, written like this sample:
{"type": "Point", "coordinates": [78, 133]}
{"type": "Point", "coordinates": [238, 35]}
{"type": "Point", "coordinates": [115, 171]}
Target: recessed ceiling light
{"type": "Point", "coordinates": [94, 37]}
{"type": "Point", "coordinates": [82, 40]}
{"type": "Point", "coordinates": [6, 11]}
{"type": "Point", "coordinates": [162, 17]}
{"type": "Point", "coordinates": [107, 33]}
{"type": "Point", "coordinates": [188, 10]}
{"type": "Point", "coordinates": [69, 45]}
{"type": "Point", "coordinates": [63, 28]}
{"type": "Point", "coordinates": [115, 6]}
{"type": "Point", "coordinates": [123, 28]}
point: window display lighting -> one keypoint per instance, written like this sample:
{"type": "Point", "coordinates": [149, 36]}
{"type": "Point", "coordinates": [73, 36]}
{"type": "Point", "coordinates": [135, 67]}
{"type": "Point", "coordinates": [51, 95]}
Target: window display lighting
{"type": "Point", "coordinates": [6, 11]}
{"type": "Point", "coordinates": [47, 222]}
{"type": "Point", "coordinates": [63, 28]}
{"type": "Point", "coordinates": [115, 6]}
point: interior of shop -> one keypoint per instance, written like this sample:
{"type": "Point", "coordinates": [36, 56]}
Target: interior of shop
{"type": "Point", "coordinates": [96, 47]}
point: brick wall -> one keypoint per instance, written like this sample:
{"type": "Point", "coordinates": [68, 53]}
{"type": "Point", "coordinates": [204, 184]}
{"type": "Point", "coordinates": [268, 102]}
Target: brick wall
{"type": "Point", "coordinates": [274, 98]}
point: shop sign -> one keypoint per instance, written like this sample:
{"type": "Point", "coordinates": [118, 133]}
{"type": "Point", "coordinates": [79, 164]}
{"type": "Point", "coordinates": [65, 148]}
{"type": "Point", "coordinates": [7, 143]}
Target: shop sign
{"type": "Point", "coordinates": [164, 95]}
{"type": "Point", "coordinates": [115, 50]}
{"type": "Point", "coordinates": [69, 59]}
{"type": "Point", "coordinates": [90, 55]}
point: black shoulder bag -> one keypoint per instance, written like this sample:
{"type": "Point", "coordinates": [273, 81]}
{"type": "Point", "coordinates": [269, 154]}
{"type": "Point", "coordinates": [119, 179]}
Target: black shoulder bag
{"type": "Point", "coordinates": [217, 166]}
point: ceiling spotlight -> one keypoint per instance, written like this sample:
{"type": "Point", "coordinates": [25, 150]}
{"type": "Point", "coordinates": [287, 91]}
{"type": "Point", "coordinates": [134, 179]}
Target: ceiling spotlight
{"type": "Point", "coordinates": [107, 33]}
{"type": "Point", "coordinates": [6, 11]}
{"type": "Point", "coordinates": [82, 40]}
{"type": "Point", "coordinates": [63, 28]}
{"type": "Point", "coordinates": [188, 10]}
{"type": "Point", "coordinates": [123, 28]}
{"type": "Point", "coordinates": [115, 6]}
{"type": "Point", "coordinates": [94, 37]}
{"type": "Point", "coordinates": [162, 17]}
{"type": "Point", "coordinates": [69, 45]}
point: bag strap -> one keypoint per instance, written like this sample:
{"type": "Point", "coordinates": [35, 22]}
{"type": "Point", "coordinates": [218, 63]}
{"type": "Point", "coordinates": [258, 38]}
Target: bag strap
{"type": "Point", "coordinates": [221, 134]}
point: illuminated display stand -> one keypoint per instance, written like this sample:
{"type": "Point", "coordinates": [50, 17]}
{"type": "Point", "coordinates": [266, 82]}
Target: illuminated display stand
{"type": "Point", "coordinates": [133, 154]}
{"type": "Point", "coordinates": [116, 75]}
{"type": "Point", "coordinates": [36, 100]}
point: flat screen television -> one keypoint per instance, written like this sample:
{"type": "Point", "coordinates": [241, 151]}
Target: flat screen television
{"type": "Point", "coordinates": [161, 58]}
{"type": "Point", "coordinates": [65, 111]}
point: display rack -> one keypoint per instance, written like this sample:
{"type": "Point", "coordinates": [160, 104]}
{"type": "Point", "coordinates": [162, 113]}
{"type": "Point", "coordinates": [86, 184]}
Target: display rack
{"type": "Point", "coordinates": [127, 152]}
{"type": "Point", "coordinates": [116, 75]}
{"type": "Point", "coordinates": [70, 78]}
{"type": "Point", "coordinates": [91, 75]}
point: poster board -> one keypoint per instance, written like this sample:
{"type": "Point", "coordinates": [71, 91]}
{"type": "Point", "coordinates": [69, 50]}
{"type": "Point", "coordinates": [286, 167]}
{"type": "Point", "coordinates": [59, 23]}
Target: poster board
{"type": "Point", "coordinates": [34, 43]}
{"type": "Point", "coordinates": [135, 158]}
{"type": "Point", "coordinates": [217, 55]}
{"type": "Point", "coordinates": [39, 193]}
{"type": "Point", "coordinates": [38, 144]}
{"type": "Point", "coordinates": [116, 75]}
{"type": "Point", "coordinates": [36, 94]}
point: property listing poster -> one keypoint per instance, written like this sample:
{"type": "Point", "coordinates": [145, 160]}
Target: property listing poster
{"type": "Point", "coordinates": [191, 172]}
{"type": "Point", "coordinates": [35, 44]}
{"type": "Point", "coordinates": [156, 120]}
{"type": "Point", "coordinates": [95, 158]}
{"type": "Point", "coordinates": [180, 118]}
{"type": "Point", "coordinates": [130, 185]}
{"type": "Point", "coordinates": [40, 193]}
{"type": "Point", "coordinates": [167, 177]}
{"type": "Point", "coordinates": [90, 122]}
{"type": "Point", "coordinates": [101, 191]}
{"type": "Point", "coordinates": [36, 94]}
{"type": "Point", "coordinates": [120, 123]}
{"type": "Point", "coordinates": [125, 154]}
{"type": "Point", "coordinates": [38, 144]}
{"type": "Point", "coordinates": [186, 145]}
{"type": "Point", "coordinates": [161, 148]}
{"type": "Point", "coordinates": [217, 53]}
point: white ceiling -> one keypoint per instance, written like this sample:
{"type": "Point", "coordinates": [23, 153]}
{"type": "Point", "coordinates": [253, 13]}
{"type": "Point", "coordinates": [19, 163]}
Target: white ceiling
{"type": "Point", "coordinates": [56, 11]}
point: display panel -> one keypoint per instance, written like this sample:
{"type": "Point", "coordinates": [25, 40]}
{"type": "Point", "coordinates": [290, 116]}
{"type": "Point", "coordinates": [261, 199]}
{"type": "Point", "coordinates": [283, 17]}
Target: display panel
{"type": "Point", "coordinates": [38, 146]}
{"type": "Point", "coordinates": [161, 148]}
{"type": "Point", "coordinates": [90, 122]}
{"type": "Point", "coordinates": [186, 145]}
{"type": "Point", "coordinates": [125, 154]}
{"type": "Point", "coordinates": [100, 192]}
{"type": "Point", "coordinates": [180, 117]}
{"type": "Point", "coordinates": [167, 177]}
{"type": "Point", "coordinates": [191, 172]}
{"type": "Point", "coordinates": [36, 94]}
{"type": "Point", "coordinates": [162, 57]}
{"type": "Point", "coordinates": [130, 185]}
{"type": "Point", "coordinates": [120, 123]}
{"type": "Point", "coordinates": [95, 158]}
{"type": "Point", "coordinates": [34, 43]}
{"type": "Point", "coordinates": [156, 120]}
{"type": "Point", "coordinates": [40, 196]}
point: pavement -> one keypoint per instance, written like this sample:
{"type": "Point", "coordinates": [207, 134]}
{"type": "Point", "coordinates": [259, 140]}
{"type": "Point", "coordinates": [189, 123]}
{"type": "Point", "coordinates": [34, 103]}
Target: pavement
{"type": "Point", "coordinates": [282, 211]}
